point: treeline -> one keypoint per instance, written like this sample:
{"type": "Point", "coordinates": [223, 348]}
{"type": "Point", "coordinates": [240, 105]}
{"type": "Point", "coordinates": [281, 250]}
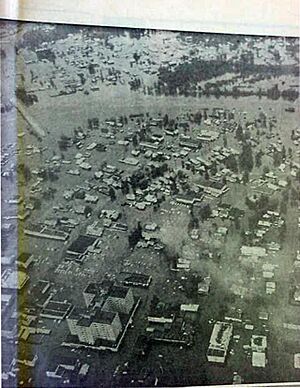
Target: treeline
{"type": "Point", "coordinates": [34, 38]}
{"type": "Point", "coordinates": [183, 79]}
{"type": "Point", "coordinates": [272, 93]}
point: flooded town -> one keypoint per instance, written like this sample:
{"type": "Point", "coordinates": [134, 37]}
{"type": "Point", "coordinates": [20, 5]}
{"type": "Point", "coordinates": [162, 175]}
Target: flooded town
{"type": "Point", "coordinates": [150, 207]}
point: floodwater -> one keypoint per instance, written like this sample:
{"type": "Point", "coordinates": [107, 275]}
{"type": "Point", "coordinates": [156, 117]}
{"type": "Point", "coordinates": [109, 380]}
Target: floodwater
{"type": "Point", "coordinates": [62, 113]}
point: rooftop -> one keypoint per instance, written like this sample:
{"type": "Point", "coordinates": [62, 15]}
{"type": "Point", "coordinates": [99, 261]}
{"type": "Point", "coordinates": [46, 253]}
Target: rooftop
{"type": "Point", "coordinates": [104, 317]}
{"type": "Point", "coordinates": [80, 245]}
{"type": "Point", "coordinates": [221, 335]}
{"type": "Point", "coordinates": [118, 292]}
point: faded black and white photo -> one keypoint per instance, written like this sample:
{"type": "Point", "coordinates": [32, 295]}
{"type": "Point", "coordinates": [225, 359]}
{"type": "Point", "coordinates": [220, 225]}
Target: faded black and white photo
{"type": "Point", "coordinates": [150, 207]}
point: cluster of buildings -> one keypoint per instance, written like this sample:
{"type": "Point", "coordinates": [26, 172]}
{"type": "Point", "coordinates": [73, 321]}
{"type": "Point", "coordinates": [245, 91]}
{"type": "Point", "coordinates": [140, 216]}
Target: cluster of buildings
{"type": "Point", "coordinates": [171, 323]}
{"type": "Point", "coordinates": [103, 323]}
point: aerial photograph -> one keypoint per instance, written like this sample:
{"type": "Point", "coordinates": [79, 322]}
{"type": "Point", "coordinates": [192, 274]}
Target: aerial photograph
{"type": "Point", "coordinates": [150, 207]}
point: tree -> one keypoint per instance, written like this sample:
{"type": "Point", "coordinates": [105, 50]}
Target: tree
{"type": "Point", "coordinates": [285, 195]}
{"type": "Point", "coordinates": [237, 223]}
{"type": "Point", "coordinates": [246, 177]}
{"type": "Point", "coordinates": [282, 233]}
{"type": "Point", "coordinates": [277, 158]}
{"type": "Point", "coordinates": [283, 152]}
{"type": "Point", "coordinates": [231, 163]}
{"type": "Point", "coordinates": [64, 142]}
{"type": "Point", "coordinates": [214, 168]}
{"type": "Point", "coordinates": [205, 212]}
{"type": "Point", "coordinates": [274, 92]}
{"type": "Point", "coordinates": [258, 159]}
{"type": "Point", "coordinates": [266, 170]}
{"type": "Point", "coordinates": [283, 207]}
{"type": "Point", "coordinates": [135, 236]}
{"type": "Point", "coordinates": [80, 194]}
{"type": "Point", "coordinates": [37, 203]}
{"type": "Point", "coordinates": [198, 117]}
{"type": "Point", "coordinates": [165, 120]}
{"type": "Point", "coordinates": [252, 221]}
{"type": "Point", "coordinates": [194, 222]}
{"type": "Point", "coordinates": [135, 140]}
{"type": "Point", "coordinates": [293, 135]}
{"type": "Point", "coordinates": [52, 175]}
{"type": "Point", "coordinates": [249, 203]}
{"type": "Point", "coordinates": [136, 57]}
{"type": "Point", "coordinates": [112, 194]}
{"type": "Point", "coordinates": [239, 133]}
{"type": "Point", "coordinates": [294, 196]}
{"type": "Point", "coordinates": [246, 158]}
{"type": "Point", "coordinates": [88, 211]}
{"type": "Point", "coordinates": [125, 187]}
{"type": "Point", "coordinates": [100, 147]}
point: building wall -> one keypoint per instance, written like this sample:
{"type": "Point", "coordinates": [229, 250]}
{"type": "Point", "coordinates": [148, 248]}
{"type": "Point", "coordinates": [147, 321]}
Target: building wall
{"type": "Point", "coordinates": [88, 298]}
{"type": "Point", "coordinates": [97, 330]}
{"type": "Point", "coordinates": [85, 334]}
{"type": "Point", "coordinates": [117, 326]}
{"type": "Point", "coordinates": [119, 305]}
{"type": "Point", "coordinates": [72, 323]}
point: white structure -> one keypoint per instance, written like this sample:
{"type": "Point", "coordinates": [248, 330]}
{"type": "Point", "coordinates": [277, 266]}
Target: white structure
{"type": "Point", "coordinates": [259, 359]}
{"type": "Point", "coordinates": [253, 251]}
{"type": "Point", "coordinates": [102, 325]}
{"type": "Point", "coordinates": [192, 308]}
{"type": "Point", "coordinates": [258, 343]}
{"type": "Point", "coordinates": [297, 360]}
{"type": "Point", "coordinates": [219, 342]}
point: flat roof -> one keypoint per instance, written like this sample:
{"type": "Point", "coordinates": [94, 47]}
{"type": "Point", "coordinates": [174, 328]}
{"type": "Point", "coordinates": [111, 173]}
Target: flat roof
{"type": "Point", "coordinates": [258, 359]}
{"type": "Point", "coordinates": [55, 308]}
{"type": "Point", "coordinates": [98, 288]}
{"type": "Point", "coordinates": [221, 335]}
{"type": "Point", "coordinates": [81, 244]}
{"type": "Point", "coordinates": [118, 292]}
{"type": "Point", "coordinates": [104, 316]}
{"type": "Point", "coordinates": [297, 360]}
{"type": "Point", "coordinates": [137, 278]}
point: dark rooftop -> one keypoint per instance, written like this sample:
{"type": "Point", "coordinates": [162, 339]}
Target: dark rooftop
{"type": "Point", "coordinates": [80, 245]}
{"type": "Point", "coordinates": [98, 288]}
{"type": "Point", "coordinates": [104, 316]}
{"type": "Point", "coordinates": [118, 292]}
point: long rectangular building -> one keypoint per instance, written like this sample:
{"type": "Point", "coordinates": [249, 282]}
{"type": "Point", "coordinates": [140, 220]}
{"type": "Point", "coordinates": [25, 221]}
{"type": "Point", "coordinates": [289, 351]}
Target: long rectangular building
{"type": "Point", "coordinates": [219, 342]}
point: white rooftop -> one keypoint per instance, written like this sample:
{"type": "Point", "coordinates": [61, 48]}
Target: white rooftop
{"type": "Point", "coordinates": [258, 359]}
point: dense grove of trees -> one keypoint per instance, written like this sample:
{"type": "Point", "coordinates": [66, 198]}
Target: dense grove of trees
{"type": "Point", "coordinates": [135, 236]}
{"type": "Point", "coordinates": [34, 38]}
{"type": "Point", "coordinates": [185, 76]}
{"type": "Point", "coordinates": [246, 158]}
